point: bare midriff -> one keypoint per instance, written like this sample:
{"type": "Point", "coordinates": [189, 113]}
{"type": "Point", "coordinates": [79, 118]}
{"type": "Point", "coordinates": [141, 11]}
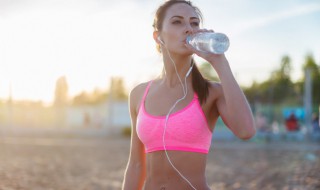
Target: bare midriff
{"type": "Point", "coordinates": [162, 176]}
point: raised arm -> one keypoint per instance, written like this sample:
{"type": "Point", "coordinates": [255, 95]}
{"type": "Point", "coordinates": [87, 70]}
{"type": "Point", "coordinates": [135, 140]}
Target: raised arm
{"type": "Point", "coordinates": [231, 102]}
{"type": "Point", "coordinates": [136, 170]}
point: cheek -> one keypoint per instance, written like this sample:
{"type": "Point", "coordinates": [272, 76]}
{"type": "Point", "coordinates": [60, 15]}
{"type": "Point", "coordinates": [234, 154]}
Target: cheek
{"type": "Point", "coordinates": [173, 36]}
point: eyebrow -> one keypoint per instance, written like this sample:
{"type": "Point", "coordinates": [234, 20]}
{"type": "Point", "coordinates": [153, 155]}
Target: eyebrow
{"type": "Point", "coordinates": [181, 17]}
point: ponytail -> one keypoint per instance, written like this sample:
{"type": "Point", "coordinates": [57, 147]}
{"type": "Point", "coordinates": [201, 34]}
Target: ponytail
{"type": "Point", "coordinates": [200, 85]}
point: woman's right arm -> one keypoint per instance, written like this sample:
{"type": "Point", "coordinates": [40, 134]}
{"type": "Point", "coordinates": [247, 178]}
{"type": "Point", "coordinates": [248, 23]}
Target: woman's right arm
{"type": "Point", "coordinates": [136, 170]}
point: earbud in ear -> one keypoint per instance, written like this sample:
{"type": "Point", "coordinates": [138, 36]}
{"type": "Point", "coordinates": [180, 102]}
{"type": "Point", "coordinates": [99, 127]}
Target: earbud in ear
{"type": "Point", "coordinates": [160, 40]}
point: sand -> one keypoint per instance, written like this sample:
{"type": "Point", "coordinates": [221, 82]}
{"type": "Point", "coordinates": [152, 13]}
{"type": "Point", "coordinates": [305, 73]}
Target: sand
{"type": "Point", "coordinates": [96, 163]}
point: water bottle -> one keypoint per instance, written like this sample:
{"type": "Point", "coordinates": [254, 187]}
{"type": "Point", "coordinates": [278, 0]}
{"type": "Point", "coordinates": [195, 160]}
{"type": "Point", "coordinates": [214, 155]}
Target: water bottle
{"type": "Point", "coordinates": [212, 42]}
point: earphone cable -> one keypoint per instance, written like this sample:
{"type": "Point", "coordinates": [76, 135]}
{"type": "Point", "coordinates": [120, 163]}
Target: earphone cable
{"type": "Point", "coordinates": [185, 91]}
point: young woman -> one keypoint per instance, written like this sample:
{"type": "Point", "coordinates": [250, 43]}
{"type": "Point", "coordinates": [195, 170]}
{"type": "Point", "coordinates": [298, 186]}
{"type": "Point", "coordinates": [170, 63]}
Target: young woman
{"type": "Point", "coordinates": [169, 144]}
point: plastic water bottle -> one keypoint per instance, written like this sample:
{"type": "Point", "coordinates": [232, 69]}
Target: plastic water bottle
{"type": "Point", "coordinates": [212, 42]}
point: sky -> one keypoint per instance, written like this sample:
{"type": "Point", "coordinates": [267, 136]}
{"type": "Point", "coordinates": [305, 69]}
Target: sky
{"type": "Point", "coordinates": [90, 41]}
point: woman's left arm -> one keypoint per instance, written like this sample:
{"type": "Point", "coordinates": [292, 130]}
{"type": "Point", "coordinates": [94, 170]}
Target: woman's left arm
{"type": "Point", "coordinates": [231, 102]}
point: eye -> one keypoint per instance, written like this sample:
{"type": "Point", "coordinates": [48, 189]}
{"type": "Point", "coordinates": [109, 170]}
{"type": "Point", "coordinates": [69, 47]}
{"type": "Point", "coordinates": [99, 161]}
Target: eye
{"type": "Point", "coordinates": [196, 24]}
{"type": "Point", "coordinates": [176, 22]}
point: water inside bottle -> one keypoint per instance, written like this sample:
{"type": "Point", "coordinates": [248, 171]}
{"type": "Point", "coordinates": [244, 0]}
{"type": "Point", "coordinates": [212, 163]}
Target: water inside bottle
{"type": "Point", "coordinates": [217, 43]}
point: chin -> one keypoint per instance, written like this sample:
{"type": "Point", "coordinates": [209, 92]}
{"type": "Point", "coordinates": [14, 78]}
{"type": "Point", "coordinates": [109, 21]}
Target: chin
{"type": "Point", "coordinates": [188, 52]}
{"type": "Point", "coordinates": [184, 51]}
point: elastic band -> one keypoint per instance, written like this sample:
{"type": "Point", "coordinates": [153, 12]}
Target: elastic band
{"type": "Point", "coordinates": [146, 91]}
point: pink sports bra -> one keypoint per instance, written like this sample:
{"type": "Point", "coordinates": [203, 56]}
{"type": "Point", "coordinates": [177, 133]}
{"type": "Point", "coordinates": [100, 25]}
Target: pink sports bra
{"type": "Point", "coordinates": [187, 129]}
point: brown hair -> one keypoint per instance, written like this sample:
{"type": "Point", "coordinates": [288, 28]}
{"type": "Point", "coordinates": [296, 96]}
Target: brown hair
{"type": "Point", "coordinates": [200, 85]}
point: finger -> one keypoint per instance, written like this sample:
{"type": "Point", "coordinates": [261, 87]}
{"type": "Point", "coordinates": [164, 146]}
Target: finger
{"type": "Point", "coordinates": [200, 30]}
{"type": "Point", "coordinates": [203, 31]}
{"type": "Point", "coordinates": [194, 50]}
{"type": "Point", "coordinates": [191, 48]}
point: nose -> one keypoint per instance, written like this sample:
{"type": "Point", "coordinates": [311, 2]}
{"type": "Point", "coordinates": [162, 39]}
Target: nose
{"type": "Point", "coordinates": [189, 29]}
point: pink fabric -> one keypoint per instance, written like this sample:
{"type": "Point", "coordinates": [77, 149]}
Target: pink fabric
{"type": "Point", "coordinates": [187, 129]}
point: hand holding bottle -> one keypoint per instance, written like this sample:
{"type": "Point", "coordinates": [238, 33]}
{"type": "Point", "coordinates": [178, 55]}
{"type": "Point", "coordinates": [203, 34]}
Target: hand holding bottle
{"type": "Point", "coordinates": [208, 45]}
{"type": "Point", "coordinates": [209, 42]}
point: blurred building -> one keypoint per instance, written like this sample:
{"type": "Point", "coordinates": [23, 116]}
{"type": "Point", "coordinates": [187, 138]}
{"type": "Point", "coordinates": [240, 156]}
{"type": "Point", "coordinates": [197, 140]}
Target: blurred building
{"type": "Point", "coordinates": [109, 116]}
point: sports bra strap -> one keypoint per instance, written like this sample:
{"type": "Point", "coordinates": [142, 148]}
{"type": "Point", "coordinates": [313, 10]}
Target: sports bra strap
{"type": "Point", "coordinates": [146, 92]}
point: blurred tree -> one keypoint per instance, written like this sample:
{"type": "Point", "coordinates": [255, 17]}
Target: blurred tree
{"type": "Point", "coordinates": [281, 84]}
{"type": "Point", "coordinates": [80, 99]}
{"type": "Point", "coordinates": [315, 77]}
{"type": "Point", "coordinates": [257, 92]}
{"type": "Point", "coordinates": [208, 72]}
{"type": "Point", "coordinates": [277, 89]}
{"type": "Point", "coordinates": [117, 92]}
{"type": "Point", "coordinates": [61, 92]}
{"type": "Point", "coordinates": [117, 89]}
{"type": "Point", "coordinates": [60, 101]}
{"type": "Point", "coordinates": [285, 69]}
{"type": "Point", "coordinates": [96, 97]}
{"type": "Point", "coordinates": [99, 96]}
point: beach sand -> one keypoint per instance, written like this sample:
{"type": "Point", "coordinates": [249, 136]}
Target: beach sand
{"type": "Point", "coordinates": [98, 163]}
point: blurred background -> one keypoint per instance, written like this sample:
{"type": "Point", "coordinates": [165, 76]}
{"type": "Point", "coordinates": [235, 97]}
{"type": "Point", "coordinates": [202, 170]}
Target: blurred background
{"type": "Point", "coordinates": [67, 67]}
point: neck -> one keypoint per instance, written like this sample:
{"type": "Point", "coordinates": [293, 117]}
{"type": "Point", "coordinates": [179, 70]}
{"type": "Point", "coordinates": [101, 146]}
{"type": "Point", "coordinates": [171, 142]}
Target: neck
{"type": "Point", "coordinates": [176, 65]}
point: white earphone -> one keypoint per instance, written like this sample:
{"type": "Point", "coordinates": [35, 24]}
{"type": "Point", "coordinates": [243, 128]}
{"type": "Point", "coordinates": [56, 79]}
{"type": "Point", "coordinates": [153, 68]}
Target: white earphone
{"type": "Point", "coordinates": [159, 39]}
{"type": "Point", "coordinates": [185, 91]}
{"type": "Point", "coordinates": [189, 71]}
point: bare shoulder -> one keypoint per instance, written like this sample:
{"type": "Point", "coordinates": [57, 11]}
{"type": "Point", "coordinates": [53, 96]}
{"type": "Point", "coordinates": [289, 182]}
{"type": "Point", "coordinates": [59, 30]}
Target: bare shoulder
{"type": "Point", "coordinates": [136, 94]}
{"type": "Point", "coordinates": [215, 90]}
{"type": "Point", "coordinates": [138, 90]}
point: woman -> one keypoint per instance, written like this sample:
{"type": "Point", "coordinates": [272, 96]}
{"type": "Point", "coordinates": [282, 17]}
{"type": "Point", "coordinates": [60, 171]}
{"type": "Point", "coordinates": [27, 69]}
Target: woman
{"type": "Point", "coordinates": [169, 153]}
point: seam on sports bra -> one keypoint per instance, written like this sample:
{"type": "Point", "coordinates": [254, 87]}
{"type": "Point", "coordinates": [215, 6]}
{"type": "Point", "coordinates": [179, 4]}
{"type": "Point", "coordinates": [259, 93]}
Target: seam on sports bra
{"type": "Point", "coordinates": [171, 115]}
{"type": "Point", "coordinates": [178, 148]}
{"type": "Point", "coordinates": [204, 117]}
{"type": "Point", "coordinates": [194, 100]}
{"type": "Point", "coordinates": [142, 105]}
{"type": "Point", "coordinates": [146, 91]}
{"type": "Point", "coordinates": [144, 96]}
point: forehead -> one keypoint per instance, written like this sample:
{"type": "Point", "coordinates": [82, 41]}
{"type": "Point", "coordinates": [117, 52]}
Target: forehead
{"type": "Point", "coordinates": [181, 9]}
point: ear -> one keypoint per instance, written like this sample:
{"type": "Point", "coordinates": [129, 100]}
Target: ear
{"type": "Point", "coordinates": [156, 36]}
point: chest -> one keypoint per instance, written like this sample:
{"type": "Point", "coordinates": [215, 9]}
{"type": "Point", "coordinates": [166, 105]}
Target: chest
{"type": "Point", "coordinates": [159, 103]}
